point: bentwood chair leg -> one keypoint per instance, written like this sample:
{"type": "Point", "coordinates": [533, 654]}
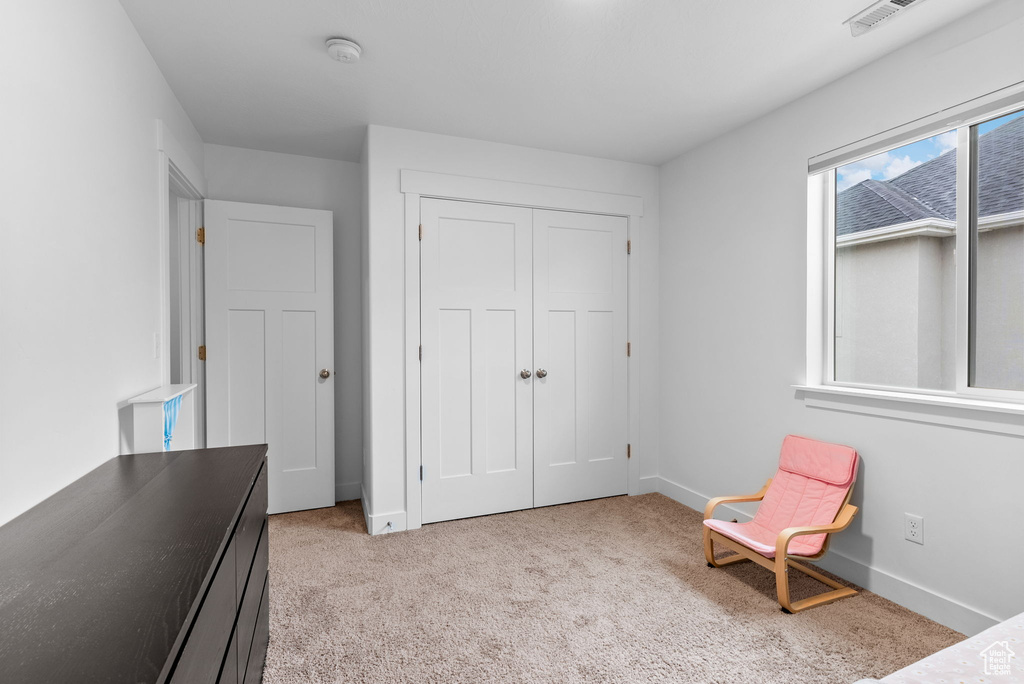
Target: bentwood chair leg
{"type": "Point", "coordinates": [709, 553]}
{"type": "Point", "coordinates": [782, 583]}
{"type": "Point", "coordinates": [782, 586]}
{"type": "Point", "coordinates": [709, 548]}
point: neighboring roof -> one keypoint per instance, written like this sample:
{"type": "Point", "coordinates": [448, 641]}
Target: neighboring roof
{"type": "Point", "coordinates": [929, 189]}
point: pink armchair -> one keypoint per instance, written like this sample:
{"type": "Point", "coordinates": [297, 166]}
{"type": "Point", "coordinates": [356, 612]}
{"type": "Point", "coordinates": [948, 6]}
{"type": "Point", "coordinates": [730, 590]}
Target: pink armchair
{"type": "Point", "coordinates": [807, 501]}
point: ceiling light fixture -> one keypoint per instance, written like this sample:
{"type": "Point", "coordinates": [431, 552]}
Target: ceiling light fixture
{"type": "Point", "coordinates": [344, 50]}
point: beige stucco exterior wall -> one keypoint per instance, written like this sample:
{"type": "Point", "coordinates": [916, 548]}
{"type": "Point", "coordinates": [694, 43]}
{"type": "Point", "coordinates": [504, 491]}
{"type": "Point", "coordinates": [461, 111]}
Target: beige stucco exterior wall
{"type": "Point", "coordinates": [896, 306]}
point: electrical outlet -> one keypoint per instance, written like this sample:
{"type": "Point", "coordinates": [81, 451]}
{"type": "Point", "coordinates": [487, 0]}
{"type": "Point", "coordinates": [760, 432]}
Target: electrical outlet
{"type": "Point", "coordinates": [913, 528]}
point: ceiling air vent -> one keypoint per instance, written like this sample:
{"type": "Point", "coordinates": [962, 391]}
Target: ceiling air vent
{"type": "Point", "coordinates": [877, 13]}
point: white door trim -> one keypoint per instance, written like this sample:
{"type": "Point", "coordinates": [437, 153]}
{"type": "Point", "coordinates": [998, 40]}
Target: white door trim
{"type": "Point", "coordinates": [175, 151]}
{"type": "Point", "coordinates": [446, 186]}
{"type": "Point", "coordinates": [418, 184]}
{"type": "Point", "coordinates": [171, 159]}
{"type": "Point", "coordinates": [413, 443]}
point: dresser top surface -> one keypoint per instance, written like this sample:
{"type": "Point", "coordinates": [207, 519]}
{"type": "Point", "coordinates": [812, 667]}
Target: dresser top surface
{"type": "Point", "coordinates": [97, 581]}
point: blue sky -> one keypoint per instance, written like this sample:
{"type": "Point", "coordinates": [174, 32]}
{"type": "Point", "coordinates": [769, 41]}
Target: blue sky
{"type": "Point", "coordinates": [901, 159]}
{"type": "Point", "coordinates": [996, 123]}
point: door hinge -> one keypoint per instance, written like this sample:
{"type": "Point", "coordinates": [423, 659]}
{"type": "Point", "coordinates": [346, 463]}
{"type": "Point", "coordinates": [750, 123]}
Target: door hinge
{"type": "Point", "coordinates": [421, 473]}
{"type": "Point", "coordinates": [421, 231]}
{"type": "Point", "coordinates": [629, 349]}
{"type": "Point", "coordinates": [202, 352]}
{"type": "Point", "coordinates": [629, 451]}
{"type": "Point", "coordinates": [421, 352]}
{"type": "Point", "coordinates": [629, 246]}
{"type": "Point", "coordinates": [201, 235]}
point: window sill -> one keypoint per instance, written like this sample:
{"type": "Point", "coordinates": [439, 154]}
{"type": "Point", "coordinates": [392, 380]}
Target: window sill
{"type": "Point", "coordinates": [1000, 417]}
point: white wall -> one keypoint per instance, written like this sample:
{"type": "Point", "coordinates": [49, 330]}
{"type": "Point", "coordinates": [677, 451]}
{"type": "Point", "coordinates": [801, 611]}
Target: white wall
{"type": "Point", "coordinates": [242, 175]}
{"type": "Point", "coordinates": [79, 249]}
{"type": "Point", "coordinates": [390, 150]}
{"type": "Point", "coordinates": [733, 307]}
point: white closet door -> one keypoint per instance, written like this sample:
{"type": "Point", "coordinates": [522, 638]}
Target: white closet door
{"type": "Point", "coordinates": [476, 327]}
{"type": "Point", "coordinates": [580, 343]}
{"type": "Point", "coordinates": [269, 337]}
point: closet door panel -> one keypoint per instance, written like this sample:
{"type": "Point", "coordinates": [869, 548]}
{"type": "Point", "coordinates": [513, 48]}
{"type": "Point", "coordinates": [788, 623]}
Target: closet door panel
{"type": "Point", "coordinates": [580, 299]}
{"type": "Point", "coordinates": [477, 332]}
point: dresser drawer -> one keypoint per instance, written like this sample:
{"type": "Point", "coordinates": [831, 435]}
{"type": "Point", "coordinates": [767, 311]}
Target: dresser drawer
{"type": "Point", "coordinates": [203, 654]}
{"type": "Point", "coordinates": [247, 534]}
{"type": "Point", "coordinates": [229, 673]}
{"type": "Point", "coordinates": [260, 640]}
{"type": "Point", "coordinates": [248, 613]}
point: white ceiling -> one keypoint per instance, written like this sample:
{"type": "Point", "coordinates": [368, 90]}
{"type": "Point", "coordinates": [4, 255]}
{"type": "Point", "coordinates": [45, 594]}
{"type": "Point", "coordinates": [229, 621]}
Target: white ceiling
{"type": "Point", "coordinates": [634, 80]}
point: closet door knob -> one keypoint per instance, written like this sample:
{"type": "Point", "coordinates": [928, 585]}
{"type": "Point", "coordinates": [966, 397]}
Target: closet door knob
{"type": "Point", "coordinates": [524, 374]}
{"type": "Point", "coordinates": [541, 373]}
{"type": "Point", "coordinates": [325, 374]}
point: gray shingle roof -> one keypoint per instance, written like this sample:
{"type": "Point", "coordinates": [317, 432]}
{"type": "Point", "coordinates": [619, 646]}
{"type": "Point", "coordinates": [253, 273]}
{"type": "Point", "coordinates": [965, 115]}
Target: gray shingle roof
{"type": "Point", "coordinates": [929, 189]}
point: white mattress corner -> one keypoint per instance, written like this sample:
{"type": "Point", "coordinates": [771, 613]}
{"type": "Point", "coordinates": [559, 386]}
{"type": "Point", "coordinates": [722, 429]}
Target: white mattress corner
{"type": "Point", "coordinates": [995, 655]}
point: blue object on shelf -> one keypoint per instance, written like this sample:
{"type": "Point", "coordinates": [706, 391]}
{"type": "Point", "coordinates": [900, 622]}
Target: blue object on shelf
{"type": "Point", "coordinates": [171, 409]}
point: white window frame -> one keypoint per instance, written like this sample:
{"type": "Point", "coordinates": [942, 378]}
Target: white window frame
{"type": "Point", "coordinates": [821, 389]}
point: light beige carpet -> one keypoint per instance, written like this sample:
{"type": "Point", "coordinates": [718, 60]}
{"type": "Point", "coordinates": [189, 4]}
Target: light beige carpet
{"type": "Point", "coordinates": [614, 590]}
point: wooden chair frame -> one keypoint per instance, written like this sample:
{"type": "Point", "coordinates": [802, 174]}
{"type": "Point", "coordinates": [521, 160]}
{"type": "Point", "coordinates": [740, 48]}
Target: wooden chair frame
{"type": "Point", "coordinates": [783, 561]}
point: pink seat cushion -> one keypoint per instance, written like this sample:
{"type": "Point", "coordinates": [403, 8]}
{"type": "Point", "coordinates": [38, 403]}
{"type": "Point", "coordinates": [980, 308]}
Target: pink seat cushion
{"type": "Point", "coordinates": [808, 489]}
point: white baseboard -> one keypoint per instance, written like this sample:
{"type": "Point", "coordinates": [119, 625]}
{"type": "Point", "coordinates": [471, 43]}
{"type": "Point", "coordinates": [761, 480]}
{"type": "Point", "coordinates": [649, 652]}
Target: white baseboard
{"type": "Point", "coordinates": [382, 523]}
{"type": "Point", "coordinates": [942, 609]}
{"type": "Point", "coordinates": [649, 485]}
{"type": "Point", "coordinates": [386, 523]}
{"type": "Point", "coordinates": [346, 491]}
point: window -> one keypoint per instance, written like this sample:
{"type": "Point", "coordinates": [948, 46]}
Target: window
{"type": "Point", "coordinates": [926, 256]}
{"type": "Point", "coordinates": [997, 254]}
{"type": "Point", "coordinates": [895, 229]}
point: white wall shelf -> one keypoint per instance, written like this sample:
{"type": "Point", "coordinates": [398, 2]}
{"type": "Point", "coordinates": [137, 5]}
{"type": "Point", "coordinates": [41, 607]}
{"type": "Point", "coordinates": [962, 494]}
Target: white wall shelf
{"type": "Point", "coordinates": [147, 420]}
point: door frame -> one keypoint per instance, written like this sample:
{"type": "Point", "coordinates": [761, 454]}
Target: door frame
{"type": "Point", "coordinates": [172, 161]}
{"type": "Point", "coordinates": [416, 185]}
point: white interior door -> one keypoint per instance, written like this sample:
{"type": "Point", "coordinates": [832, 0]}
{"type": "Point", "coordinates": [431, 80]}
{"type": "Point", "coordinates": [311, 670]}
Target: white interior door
{"type": "Point", "coordinates": [269, 333]}
{"type": "Point", "coordinates": [508, 292]}
{"type": "Point", "coordinates": [579, 286]}
{"type": "Point", "coordinates": [476, 330]}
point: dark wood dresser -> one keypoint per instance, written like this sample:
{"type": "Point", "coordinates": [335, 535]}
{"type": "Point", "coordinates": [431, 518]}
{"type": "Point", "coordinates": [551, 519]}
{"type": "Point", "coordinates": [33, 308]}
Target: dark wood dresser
{"type": "Point", "coordinates": [150, 568]}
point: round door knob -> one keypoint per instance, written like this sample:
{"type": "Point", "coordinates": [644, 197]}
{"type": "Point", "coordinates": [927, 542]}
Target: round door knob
{"type": "Point", "coordinates": [325, 374]}
{"type": "Point", "coordinates": [524, 374]}
{"type": "Point", "coordinates": [541, 373]}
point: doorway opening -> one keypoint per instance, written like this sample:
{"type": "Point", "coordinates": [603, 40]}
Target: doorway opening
{"type": "Point", "coordinates": [186, 292]}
